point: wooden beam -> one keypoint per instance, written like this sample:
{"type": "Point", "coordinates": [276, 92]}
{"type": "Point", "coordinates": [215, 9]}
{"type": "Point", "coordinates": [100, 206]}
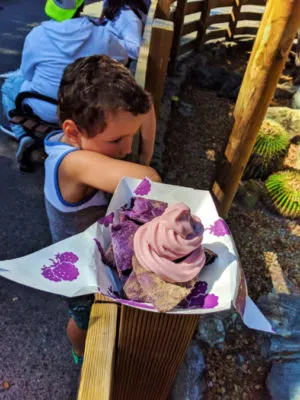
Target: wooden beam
{"type": "Point", "coordinates": [250, 16]}
{"type": "Point", "coordinates": [218, 19]}
{"type": "Point", "coordinates": [97, 371]}
{"type": "Point", "coordinates": [151, 347]}
{"type": "Point", "coordinates": [272, 45]}
{"type": "Point", "coordinates": [216, 34]}
{"type": "Point", "coordinates": [203, 24]}
{"type": "Point", "coordinates": [246, 30]}
{"type": "Point", "coordinates": [297, 60]}
{"type": "Point", "coordinates": [178, 24]}
{"type": "Point", "coordinates": [235, 13]}
{"type": "Point", "coordinates": [187, 46]}
{"type": "Point", "coordinates": [193, 7]}
{"type": "Point", "coordinates": [190, 27]}
{"type": "Point", "coordinates": [141, 69]}
{"type": "Point", "coordinates": [159, 52]}
{"type": "Point", "coordinates": [221, 3]}
{"type": "Point", "coordinates": [255, 2]}
{"type": "Point", "coordinates": [163, 9]}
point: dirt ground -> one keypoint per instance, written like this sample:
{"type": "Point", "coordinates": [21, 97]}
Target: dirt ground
{"type": "Point", "coordinates": [268, 244]}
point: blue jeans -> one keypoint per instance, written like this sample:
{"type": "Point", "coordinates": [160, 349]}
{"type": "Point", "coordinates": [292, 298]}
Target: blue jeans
{"type": "Point", "coordinates": [9, 90]}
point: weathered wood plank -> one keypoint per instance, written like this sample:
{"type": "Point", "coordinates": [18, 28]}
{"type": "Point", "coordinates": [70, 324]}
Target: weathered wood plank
{"type": "Point", "coordinates": [178, 24]}
{"type": "Point", "coordinates": [193, 7]}
{"type": "Point", "coordinates": [159, 52]}
{"type": "Point", "coordinates": [250, 16]}
{"type": "Point", "coordinates": [221, 3]}
{"type": "Point", "coordinates": [97, 370]}
{"type": "Point", "coordinates": [255, 2]}
{"type": "Point", "coordinates": [217, 34]}
{"type": "Point", "coordinates": [150, 349]}
{"type": "Point", "coordinates": [218, 19]}
{"type": "Point", "coordinates": [236, 10]}
{"type": "Point", "coordinates": [271, 48]}
{"type": "Point", "coordinates": [188, 46]}
{"type": "Point", "coordinates": [190, 27]}
{"type": "Point", "coordinates": [203, 24]}
{"type": "Point", "coordinates": [246, 30]}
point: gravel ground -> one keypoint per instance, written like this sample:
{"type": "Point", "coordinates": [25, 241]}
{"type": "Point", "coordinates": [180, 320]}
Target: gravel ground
{"type": "Point", "coordinates": [268, 244]}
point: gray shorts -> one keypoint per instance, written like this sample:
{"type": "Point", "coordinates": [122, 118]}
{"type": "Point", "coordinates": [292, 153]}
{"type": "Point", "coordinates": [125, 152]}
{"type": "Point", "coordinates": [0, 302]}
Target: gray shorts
{"type": "Point", "coordinates": [80, 308]}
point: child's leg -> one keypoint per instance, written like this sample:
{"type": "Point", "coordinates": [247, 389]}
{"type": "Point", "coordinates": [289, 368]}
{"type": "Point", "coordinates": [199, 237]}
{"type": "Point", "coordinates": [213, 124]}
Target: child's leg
{"type": "Point", "coordinates": [79, 311]}
{"type": "Point", "coordinates": [76, 336]}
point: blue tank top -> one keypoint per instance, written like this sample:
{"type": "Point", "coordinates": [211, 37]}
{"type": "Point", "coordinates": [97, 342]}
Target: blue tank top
{"type": "Point", "coordinates": [67, 219]}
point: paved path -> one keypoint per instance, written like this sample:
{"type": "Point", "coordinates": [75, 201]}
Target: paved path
{"type": "Point", "coordinates": [35, 356]}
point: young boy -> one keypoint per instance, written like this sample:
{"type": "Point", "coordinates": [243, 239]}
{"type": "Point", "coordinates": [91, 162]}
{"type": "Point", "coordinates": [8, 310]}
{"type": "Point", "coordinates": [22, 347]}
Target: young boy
{"type": "Point", "coordinates": [100, 109]}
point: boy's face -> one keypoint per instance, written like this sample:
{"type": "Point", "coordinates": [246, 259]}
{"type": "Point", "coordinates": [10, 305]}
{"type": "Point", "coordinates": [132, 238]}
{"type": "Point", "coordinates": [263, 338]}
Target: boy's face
{"type": "Point", "coordinates": [116, 140]}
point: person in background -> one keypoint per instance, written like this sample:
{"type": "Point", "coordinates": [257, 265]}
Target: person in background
{"type": "Point", "coordinates": [100, 109]}
{"type": "Point", "coordinates": [126, 20]}
{"type": "Point", "coordinates": [48, 49]}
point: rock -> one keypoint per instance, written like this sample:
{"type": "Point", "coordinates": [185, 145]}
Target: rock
{"type": "Point", "coordinates": [170, 175]}
{"type": "Point", "coordinates": [283, 382]}
{"type": "Point", "coordinates": [250, 192]}
{"type": "Point", "coordinates": [211, 330]}
{"type": "Point", "coordinates": [185, 109]}
{"type": "Point", "coordinates": [285, 90]}
{"type": "Point", "coordinates": [210, 77]}
{"type": "Point", "coordinates": [296, 99]}
{"type": "Point", "coordinates": [282, 310]}
{"type": "Point", "coordinates": [287, 117]}
{"type": "Point", "coordinates": [189, 383]}
{"type": "Point", "coordinates": [231, 87]}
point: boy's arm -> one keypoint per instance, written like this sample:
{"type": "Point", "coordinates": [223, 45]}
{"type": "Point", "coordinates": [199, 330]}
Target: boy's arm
{"type": "Point", "coordinates": [148, 133]}
{"type": "Point", "coordinates": [102, 172]}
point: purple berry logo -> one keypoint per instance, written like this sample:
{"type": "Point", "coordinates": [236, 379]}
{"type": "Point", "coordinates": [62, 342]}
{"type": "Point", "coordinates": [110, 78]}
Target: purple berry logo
{"type": "Point", "coordinates": [198, 299]}
{"type": "Point", "coordinates": [219, 228]}
{"type": "Point", "coordinates": [108, 219]}
{"type": "Point", "coordinates": [62, 268]}
{"type": "Point", "coordinates": [143, 188]}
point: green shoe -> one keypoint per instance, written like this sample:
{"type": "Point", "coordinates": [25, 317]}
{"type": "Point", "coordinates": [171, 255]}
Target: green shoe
{"type": "Point", "coordinates": [77, 359]}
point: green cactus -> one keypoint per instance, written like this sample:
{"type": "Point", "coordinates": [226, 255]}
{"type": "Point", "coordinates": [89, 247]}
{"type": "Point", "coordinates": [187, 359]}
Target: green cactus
{"type": "Point", "coordinates": [284, 189]}
{"type": "Point", "coordinates": [268, 153]}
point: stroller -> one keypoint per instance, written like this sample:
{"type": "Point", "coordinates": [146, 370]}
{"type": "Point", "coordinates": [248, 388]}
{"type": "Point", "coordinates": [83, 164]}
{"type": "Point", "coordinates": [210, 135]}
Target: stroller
{"type": "Point", "coordinates": [23, 122]}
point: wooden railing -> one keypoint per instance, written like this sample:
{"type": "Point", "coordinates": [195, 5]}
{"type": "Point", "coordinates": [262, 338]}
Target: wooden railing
{"type": "Point", "coordinates": [196, 24]}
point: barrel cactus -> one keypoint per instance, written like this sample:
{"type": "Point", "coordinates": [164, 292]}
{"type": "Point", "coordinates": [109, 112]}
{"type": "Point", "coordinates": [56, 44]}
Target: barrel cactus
{"type": "Point", "coordinates": [284, 190]}
{"type": "Point", "coordinates": [270, 148]}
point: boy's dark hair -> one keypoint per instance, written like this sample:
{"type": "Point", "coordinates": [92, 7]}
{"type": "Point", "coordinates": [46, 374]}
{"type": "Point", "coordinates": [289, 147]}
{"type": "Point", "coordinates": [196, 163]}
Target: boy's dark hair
{"type": "Point", "coordinates": [93, 86]}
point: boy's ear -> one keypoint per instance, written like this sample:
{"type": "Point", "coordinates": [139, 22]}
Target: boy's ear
{"type": "Point", "coordinates": [72, 132]}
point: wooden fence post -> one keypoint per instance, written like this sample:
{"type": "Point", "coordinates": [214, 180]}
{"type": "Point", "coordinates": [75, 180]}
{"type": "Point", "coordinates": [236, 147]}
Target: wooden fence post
{"type": "Point", "coordinates": [160, 46]}
{"type": "Point", "coordinates": [235, 13]}
{"type": "Point", "coordinates": [271, 48]}
{"type": "Point", "coordinates": [178, 23]}
{"type": "Point", "coordinates": [203, 23]}
{"type": "Point", "coordinates": [163, 9]}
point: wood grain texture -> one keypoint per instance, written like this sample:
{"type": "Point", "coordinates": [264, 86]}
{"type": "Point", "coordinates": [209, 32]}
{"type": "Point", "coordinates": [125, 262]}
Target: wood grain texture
{"type": "Point", "coordinates": [178, 24]}
{"type": "Point", "coordinates": [235, 14]}
{"type": "Point", "coordinates": [271, 48]}
{"type": "Point", "coordinates": [159, 52]}
{"type": "Point", "coordinates": [97, 370]}
{"type": "Point", "coordinates": [194, 7]}
{"type": "Point", "coordinates": [203, 24]}
{"type": "Point", "coordinates": [151, 347]}
{"type": "Point", "coordinates": [190, 27]}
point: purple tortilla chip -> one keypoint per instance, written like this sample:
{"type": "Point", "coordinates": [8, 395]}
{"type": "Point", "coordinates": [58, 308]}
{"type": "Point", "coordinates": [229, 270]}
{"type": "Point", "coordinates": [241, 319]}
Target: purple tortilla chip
{"type": "Point", "coordinates": [122, 243]}
{"type": "Point", "coordinates": [143, 210]}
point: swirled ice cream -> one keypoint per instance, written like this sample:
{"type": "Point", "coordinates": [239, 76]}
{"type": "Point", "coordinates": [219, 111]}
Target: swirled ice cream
{"type": "Point", "coordinates": [170, 246]}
